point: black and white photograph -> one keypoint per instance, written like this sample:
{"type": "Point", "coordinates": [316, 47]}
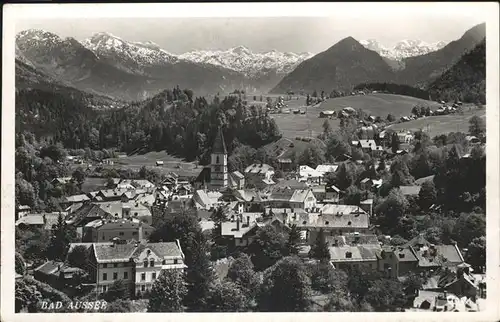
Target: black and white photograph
{"type": "Point", "coordinates": [250, 157]}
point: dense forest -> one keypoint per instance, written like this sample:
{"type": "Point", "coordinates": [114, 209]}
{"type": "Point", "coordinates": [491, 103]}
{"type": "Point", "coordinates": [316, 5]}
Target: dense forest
{"type": "Point", "coordinates": [466, 80]}
{"type": "Point", "coordinates": [393, 88]}
{"type": "Point", "coordinates": [174, 120]}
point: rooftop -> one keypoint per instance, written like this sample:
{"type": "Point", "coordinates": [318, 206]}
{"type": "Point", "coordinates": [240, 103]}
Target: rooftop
{"type": "Point", "coordinates": [257, 168]}
{"type": "Point", "coordinates": [354, 253]}
{"type": "Point", "coordinates": [410, 190]}
{"type": "Point", "coordinates": [360, 221]}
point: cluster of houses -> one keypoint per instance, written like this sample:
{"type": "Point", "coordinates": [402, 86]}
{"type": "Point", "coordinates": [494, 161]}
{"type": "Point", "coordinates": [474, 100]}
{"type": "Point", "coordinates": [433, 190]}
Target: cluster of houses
{"type": "Point", "coordinates": [114, 225]}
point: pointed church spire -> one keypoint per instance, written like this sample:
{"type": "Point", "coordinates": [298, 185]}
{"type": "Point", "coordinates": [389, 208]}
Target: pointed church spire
{"type": "Point", "coordinates": [219, 144]}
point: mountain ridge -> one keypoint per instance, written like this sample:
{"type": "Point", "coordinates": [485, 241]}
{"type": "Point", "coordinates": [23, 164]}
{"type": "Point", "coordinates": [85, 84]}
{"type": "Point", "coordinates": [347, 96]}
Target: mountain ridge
{"type": "Point", "coordinates": [342, 66]}
{"type": "Point", "coordinates": [107, 64]}
{"type": "Point", "coordinates": [403, 49]}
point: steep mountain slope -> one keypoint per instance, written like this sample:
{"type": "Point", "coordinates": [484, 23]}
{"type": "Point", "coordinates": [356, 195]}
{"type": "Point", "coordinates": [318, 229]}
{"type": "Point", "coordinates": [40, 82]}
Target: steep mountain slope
{"type": "Point", "coordinates": [422, 70]}
{"type": "Point", "coordinates": [131, 57]}
{"type": "Point", "coordinates": [466, 80]}
{"type": "Point", "coordinates": [28, 78]}
{"type": "Point", "coordinates": [66, 60]}
{"type": "Point", "coordinates": [236, 68]}
{"type": "Point", "coordinates": [243, 60]}
{"type": "Point", "coordinates": [118, 73]}
{"type": "Point", "coordinates": [342, 66]}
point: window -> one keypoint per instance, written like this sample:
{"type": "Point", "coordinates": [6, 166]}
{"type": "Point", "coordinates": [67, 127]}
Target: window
{"type": "Point", "coordinates": [121, 233]}
{"type": "Point", "coordinates": [143, 276]}
{"type": "Point", "coordinates": [104, 265]}
{"type": "Point", "coordinates": [153, 277]}
{"type": "Point", "coordinates": [143, 288]}
{"type": "Point", "coordinates": [152, 263]}
{"type": "Point", "coordinates": [146, 263]}
{"type": "Point", "coordinates": [103, 237]}
{"type": "Point", "coordinates": [175, 261]}
{"type": "Point", "coordinates": [104, 276]}
{"type": "Point", "coordinates": [125, 275]}
{"type": "Point", "coordinates": [104, 288]}
{"type": "Point", "coordinates": [134, 233]}
{"type": "Point", "coordinates": [115, 265]}
{"type": "Point", "coordinates": [348, 255]}
{"type": "Point", "coordinates": [115, 275]}
{"type": "Point", "coordinates": [163, 262]}
{"type": "Point", "coordinates": [217, 160]}
{"type": "Point", "coordinates": [217, 168]}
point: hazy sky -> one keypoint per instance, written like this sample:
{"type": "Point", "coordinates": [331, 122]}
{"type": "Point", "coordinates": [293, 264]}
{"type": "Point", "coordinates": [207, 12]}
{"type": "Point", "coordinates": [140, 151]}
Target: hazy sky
{"type": "Point", "coordinates": [297, 34]}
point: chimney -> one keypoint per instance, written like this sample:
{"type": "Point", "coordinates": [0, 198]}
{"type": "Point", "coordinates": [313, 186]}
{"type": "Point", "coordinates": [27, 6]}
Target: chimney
{"type": "Point", "coordinates": [237, 223]}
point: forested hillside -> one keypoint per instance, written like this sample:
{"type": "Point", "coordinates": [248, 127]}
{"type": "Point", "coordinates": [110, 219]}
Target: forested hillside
{"type": "Point", "coordinates": [466, 80]}
{"type": "Point", "coordinates": [173, 120]}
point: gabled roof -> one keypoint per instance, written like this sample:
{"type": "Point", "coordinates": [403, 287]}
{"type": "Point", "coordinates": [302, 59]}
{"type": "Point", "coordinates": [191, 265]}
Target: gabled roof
{"type": "Point", "coordinates": [402, 253]}
{"type": "Point", "coordinates": [327, 168]}
{"type": "Point", "coordinates": [357, 253]}
{"type": "Point", "coordinates": [49, 267]}
{"type": "Point", "coordinates": [113, 253]}
{"type": "Point", "coordinates": [237, 174]}
{"type": "Point", "coordinates": [77, 198]}
{"type": "Point", "coordinates": [259, 168]}
{"type": "Point", "coordinates": [208, 198]}
{"type": "Point", "coordinates": [307, 171]}
{"type": "Point", "coordinates": [300, 195]}
{"type": "Point", "coordinates": [283, 194]}
{"type": "Point", "coordinates": [228, 228]}
{"type": "Point", "coordinates": [410, 190]}
{"type": "Point", "coordinates": [291, 183]}
{"type": "Point", "coordinates": [33, 219]}
{"type": "Point", "coordinates": [330, 221]}
{"type": "Point", "coordinates": [162, 250]}
{"type": "Point", "coordinates": [334, 209]}
{"type": "Point", "coordinates": [421, 181]}
{"type": "Point", "coordinates": [124, 224]}
{"type": "Point", "coordinates": [331, 188]}
{"type": "Point", "coordinates": [87, 211]}
{"type": "Point", "coordinates": [142, 183]}
{"type": "Point", "coordinates": [367, 144]}
{"type": "Point", "coordinates": [219, 144]}
{"type": "Point", "coordinates": [367, 202]}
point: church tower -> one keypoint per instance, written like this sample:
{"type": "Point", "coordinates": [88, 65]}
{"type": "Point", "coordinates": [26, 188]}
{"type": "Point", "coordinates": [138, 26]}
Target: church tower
{"type": "Point", "coordinates": [218, 164]}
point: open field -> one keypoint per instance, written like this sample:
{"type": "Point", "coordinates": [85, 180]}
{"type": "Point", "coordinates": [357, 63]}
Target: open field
{"type": "Point", "coordinates": [309, 124]}
{"type": "Point", "coordinates": [442, 124]}
{"type": "Point", "coordinates": [170, 163]}
{"type": "Point", "coordinates": [286, 147]}
{"type": "Point", "coordinates": [377, 104]}
{"type": "Point", "coordinates": [293, 125]}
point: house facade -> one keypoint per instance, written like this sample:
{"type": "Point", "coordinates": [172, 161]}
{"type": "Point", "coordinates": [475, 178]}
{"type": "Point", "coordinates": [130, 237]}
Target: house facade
{"type": "Point", "coordinates": [137, 264]}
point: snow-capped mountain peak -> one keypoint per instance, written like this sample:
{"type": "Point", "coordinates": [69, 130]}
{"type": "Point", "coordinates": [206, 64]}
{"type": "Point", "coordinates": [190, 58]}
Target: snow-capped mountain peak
{"type": "Point", "coordinates": [403, 49]}
{"type": "Point", "coordinates": [137, 54]}
{"type": "Point", "coordinates": [244, 60]}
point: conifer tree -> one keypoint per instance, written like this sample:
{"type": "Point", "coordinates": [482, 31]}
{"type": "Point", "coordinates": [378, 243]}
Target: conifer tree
{"type": "Point", "coordinates": [320, 248]}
